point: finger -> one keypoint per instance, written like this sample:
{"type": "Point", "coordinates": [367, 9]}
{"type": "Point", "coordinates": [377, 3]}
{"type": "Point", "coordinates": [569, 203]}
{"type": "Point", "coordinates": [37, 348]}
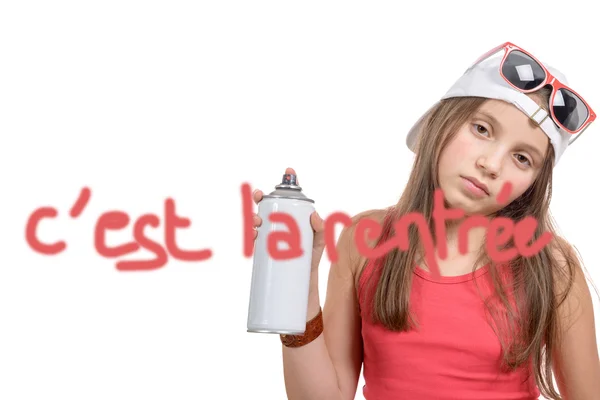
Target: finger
{"type": "Point", "coordinates": [291, 170]}
{"type": "Point", "coordinates": [317, 222]}
{"type": "Point", "coordinates": [256, 220]}
{"type": "Point", "coordinates": [257, 195]}
{"type": "Point", "coordinates": [318, 227]}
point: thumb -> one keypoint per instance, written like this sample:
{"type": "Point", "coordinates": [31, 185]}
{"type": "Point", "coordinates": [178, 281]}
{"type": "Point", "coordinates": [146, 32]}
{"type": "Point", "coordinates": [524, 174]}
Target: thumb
{"type": "Point", "coordinates": [318, 226]}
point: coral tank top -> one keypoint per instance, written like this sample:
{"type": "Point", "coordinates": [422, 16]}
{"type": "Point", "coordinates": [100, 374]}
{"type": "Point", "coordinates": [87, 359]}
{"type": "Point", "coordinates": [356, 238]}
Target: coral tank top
{"type": "Point", "coordinates": [454, 353]}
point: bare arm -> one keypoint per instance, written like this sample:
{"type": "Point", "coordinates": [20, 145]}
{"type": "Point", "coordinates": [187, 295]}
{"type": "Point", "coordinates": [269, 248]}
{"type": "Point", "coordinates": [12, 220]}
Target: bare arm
{"type": "Point", "coordinates": [576, 363]}
{"type": "Point", "coordinates": [329, 367]}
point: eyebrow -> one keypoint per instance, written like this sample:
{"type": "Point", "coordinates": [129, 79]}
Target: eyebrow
{"type": "Point", "coordinates": [492, 119]}
{"type": "Point", "coordinates": [496, 122]}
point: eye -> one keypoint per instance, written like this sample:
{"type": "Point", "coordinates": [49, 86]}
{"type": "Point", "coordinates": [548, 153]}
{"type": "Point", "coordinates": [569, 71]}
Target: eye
{"type": "Point", "coordinates": [481, 130]}
{"type": "Point", "coordinates": [522, 159]}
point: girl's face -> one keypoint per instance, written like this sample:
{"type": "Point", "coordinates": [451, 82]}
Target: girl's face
{"type": "Point", "coordinates": [498, 144]}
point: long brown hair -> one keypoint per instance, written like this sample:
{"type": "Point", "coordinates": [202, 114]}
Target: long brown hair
{"type": "Point", "coordinates": [533, 325]}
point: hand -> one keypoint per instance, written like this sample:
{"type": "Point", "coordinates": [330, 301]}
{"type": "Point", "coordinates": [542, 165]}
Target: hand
{"type": "Point", "coordinates": [317, 223]}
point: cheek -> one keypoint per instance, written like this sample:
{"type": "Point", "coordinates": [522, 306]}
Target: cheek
{"type": "Point", "coordinates": [519, 186]}
{"type": "Point", "coordinates": [458, 151]}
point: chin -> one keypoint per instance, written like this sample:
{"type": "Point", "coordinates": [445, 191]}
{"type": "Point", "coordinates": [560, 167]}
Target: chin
{"type": "Point", "coordinates": [468, 205]}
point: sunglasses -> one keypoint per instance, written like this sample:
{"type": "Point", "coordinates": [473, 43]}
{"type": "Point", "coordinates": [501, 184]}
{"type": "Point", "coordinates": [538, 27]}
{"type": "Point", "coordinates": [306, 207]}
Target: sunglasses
{"type": "Point", "coordinates": [526, 74]}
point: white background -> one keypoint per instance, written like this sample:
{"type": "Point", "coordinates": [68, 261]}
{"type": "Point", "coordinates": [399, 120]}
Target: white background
{"type": "Point", "coordinates": [141, 101]}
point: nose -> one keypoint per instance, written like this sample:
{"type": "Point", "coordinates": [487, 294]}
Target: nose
{"type": "Point", "coordinates": [490, 163]}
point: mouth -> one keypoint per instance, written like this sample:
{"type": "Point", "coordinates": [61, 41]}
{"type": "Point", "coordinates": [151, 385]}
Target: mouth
{"type": "Point", "coordinates": [477, 185]}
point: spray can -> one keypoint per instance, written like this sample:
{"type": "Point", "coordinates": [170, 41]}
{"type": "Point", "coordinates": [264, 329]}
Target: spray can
{"type": "Point", "coordinates": [279, 288]}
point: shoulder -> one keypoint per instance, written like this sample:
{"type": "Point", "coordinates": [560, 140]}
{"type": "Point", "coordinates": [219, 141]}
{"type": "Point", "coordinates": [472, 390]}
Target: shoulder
{"type": "Point", "coordinates": [561, 248]}
{"type": "Point", "coordinates": [570, 283]}
{"type": "Point", "coordinates": [566, 261]}
{"type": "Point", "coordinates": [347, 239]}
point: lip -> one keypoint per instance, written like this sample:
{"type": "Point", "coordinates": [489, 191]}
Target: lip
{"type": "Point", "coordinates": [480, 185]}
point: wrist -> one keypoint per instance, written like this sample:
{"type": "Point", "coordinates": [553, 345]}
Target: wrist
{"type": "Point", "coordinates": [314, 328]}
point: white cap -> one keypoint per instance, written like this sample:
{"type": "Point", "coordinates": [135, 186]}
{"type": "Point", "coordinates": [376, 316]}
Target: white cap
{"type": "Point", "coordinates": [484, 80]}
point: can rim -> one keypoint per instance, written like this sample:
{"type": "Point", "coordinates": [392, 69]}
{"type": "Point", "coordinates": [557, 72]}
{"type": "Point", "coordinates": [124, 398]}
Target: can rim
{"type": "Point", "coordinates": [277, 196]}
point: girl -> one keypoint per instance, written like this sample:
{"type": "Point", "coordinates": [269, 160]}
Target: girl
{"type": "Point", "coordinates": [460, 323]}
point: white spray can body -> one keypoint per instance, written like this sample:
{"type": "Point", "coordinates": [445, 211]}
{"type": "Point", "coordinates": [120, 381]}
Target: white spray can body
{"type": "Point", "coordinates": [280, 287]}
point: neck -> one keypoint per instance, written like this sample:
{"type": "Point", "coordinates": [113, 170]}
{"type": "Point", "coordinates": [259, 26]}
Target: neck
{"type": "Point", "coordinates": [475, 238]}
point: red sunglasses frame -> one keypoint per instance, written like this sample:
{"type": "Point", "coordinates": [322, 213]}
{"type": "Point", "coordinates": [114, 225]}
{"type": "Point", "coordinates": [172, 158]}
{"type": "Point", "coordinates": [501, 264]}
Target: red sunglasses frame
{"type": "Point", "coordinates": [550, 79]}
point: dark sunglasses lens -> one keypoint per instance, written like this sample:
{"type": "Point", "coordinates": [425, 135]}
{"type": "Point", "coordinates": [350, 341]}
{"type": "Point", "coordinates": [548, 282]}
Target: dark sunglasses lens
{"type": "Point", "coordinates": [522, 71]}
{"type": "Point", "coordinates": [569, 109]}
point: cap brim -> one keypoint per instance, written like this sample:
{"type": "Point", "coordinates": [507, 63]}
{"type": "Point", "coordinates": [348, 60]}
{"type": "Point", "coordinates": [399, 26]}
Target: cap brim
{"type": "Point", "coordinates": [411, 138]}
